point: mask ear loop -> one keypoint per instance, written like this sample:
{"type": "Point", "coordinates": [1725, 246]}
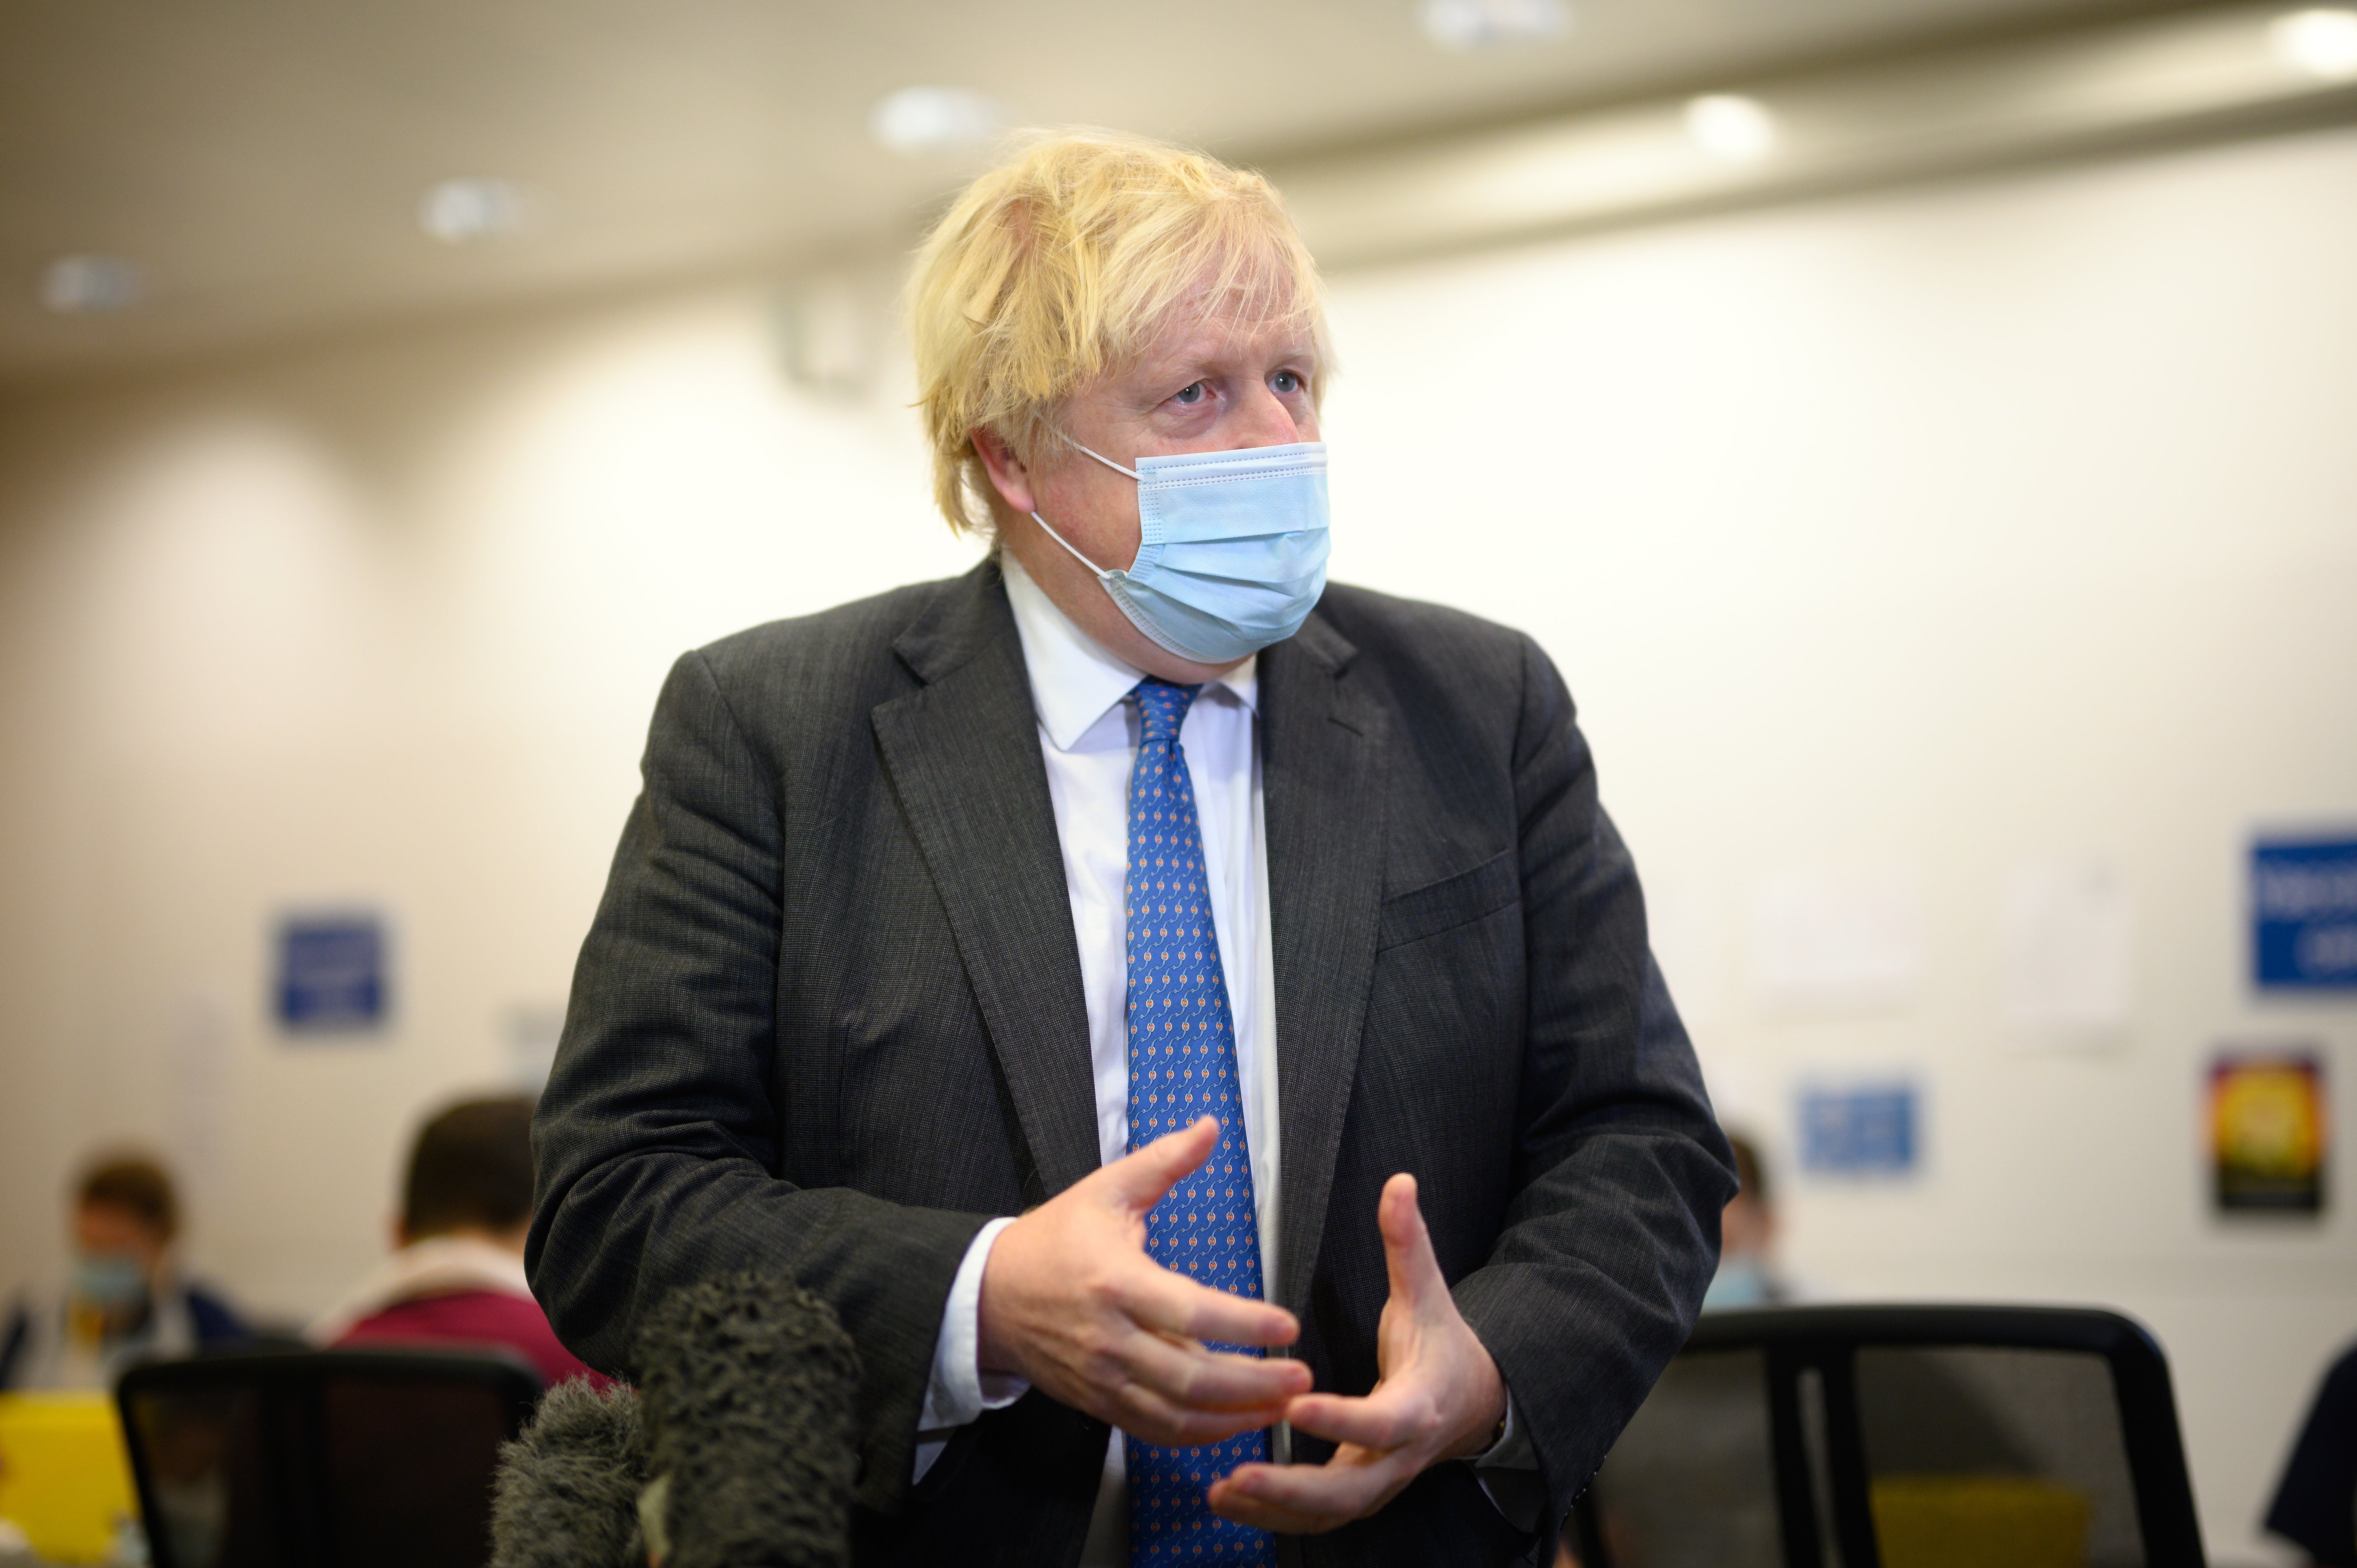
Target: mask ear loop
{"type": "Point", "coordinates": [1102, 458]}
{"type": "Point", "coordinates": [1102, 575]}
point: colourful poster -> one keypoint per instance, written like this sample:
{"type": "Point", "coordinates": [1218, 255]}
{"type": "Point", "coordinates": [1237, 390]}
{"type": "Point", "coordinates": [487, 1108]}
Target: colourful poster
{"type": "Point", "coordinates": [2269, 1131]}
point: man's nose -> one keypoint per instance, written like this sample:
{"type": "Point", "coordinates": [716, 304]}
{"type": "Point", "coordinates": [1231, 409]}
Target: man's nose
{"type": "Point", "coordinates": [1263, 419]}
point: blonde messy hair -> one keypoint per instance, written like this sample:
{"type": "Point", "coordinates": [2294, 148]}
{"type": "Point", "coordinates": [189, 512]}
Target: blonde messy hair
{"type": "Point", "coordinates": [1065, 262]}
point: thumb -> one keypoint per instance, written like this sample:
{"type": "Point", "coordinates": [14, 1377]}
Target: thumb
{"type": "Point", "coordinates": [1417, 1280]}
{"type": "Point", "coordinates": [1138, 1180]}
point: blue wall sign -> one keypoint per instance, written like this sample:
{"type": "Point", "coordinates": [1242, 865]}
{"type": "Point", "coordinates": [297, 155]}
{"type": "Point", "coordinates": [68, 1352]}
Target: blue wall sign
{"type": "Point", "coordinates": [2304, 914]}
{"type": "Point", "coordinates": [331, 974]}
{"type": "Point", "coordinates": [1861, 1130]}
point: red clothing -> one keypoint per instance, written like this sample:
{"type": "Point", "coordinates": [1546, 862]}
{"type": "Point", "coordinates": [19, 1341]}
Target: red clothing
{"type": "Point", "coordinates": [474, 1317]}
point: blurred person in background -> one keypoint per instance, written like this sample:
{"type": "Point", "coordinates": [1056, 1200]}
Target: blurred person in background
{"type": "Point", "coordinates": [456, 1275]}
{"type": "Point", "coordinates": [2315, 1504]}
{"type": "Point", "coordinates": [1058, 967]}
{"type": "Point", "coordinates": [1748, 1274]}
{"type": "Point", "coordinates": [126, 1298]}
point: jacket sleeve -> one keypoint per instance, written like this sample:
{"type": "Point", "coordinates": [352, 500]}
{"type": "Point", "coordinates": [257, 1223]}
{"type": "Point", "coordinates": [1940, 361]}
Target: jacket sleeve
{"type": "Point", "coordinates": [657, 1142]}
{"type": "Point", "coordinates": [1620, 1169]}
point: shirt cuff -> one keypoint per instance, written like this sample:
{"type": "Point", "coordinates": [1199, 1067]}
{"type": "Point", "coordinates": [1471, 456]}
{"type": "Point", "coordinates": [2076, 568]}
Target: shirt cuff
{"type": "Point", "coordinates": [960, 1389]}
{"type": "Point", "coordinates": [1512, 1451]}
{"type": "Point", "coordinates": [1508, 1471]}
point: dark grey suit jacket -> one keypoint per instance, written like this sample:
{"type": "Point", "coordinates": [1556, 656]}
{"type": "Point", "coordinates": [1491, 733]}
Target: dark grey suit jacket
{"type": "Point", "coordinates": [829, 1020]}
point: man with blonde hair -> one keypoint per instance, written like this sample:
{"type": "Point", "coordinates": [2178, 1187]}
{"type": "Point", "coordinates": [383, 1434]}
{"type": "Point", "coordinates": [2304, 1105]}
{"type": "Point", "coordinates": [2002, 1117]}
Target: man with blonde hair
{"type": "Point", "coordinates": [1193, 1023]}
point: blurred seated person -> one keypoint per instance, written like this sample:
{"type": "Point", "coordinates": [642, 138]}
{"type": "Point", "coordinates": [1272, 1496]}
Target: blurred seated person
{"type": "Point", "coordinates": [2315, 1504]}
{"type": "Point", "coordinates": [456, 1275]}
{"type": "Point", "coordinates": [126, 1298]}
{"type": "Point", "coordinates": [1747, 1276]}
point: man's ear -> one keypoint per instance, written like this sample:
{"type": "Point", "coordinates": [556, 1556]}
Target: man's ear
{"type": "Point", "coordinates": [1007, 475]}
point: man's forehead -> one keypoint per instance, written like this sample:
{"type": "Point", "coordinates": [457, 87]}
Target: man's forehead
{"type": "Point", "coordinates": [1215, 338]}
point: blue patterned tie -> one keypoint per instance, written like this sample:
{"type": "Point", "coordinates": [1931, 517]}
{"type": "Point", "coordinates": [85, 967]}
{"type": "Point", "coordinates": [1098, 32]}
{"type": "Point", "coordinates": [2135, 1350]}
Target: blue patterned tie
{"type": "Point", "coordinates": [1182, 1065]}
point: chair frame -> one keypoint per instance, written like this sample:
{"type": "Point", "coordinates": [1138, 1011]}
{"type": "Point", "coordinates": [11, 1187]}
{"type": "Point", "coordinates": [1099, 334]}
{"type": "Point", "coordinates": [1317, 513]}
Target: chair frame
{"type": "Point", "coordinates": [289, 1383]}
{"type": "Point", "coordinates": [1827, 1340]}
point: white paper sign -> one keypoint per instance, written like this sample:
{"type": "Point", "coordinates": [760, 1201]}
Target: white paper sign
{"type": "Point", "coordinates": [1830, 940]}
{"type": "Point", "coordinates": [198, 1069]}
{"type": "Point", "coordinates": [2068, 942]}
{"type": "Point", "coordinates": [531, 1035]}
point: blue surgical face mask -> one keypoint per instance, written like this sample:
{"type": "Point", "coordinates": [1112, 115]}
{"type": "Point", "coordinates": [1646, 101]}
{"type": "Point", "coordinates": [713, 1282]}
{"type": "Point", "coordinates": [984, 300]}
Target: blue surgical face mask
{"type": "Point", "coordinates": [109, 1280]}
{"type": "Point", "coordinates": [1230, 548]}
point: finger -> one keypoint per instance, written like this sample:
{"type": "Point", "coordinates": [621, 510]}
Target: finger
{"type": "Point", "coordinates": [1138, 1179]}
{"type": "Point", "coordinates": [1407, 1245]}
{"type": "Point", "coordinates": [1350, 1485]}
{"type": "Point", "coordinates": [1169, 1303]}
{"type": "Point", "coordinates": [1246, 1509]}
{"type": "Point", "coordinates": [1384, 1420]}
{"type": "Point", "coordinates": [1193, 1378]}
{"type": "Point", "coordinates": [1144, 1413]}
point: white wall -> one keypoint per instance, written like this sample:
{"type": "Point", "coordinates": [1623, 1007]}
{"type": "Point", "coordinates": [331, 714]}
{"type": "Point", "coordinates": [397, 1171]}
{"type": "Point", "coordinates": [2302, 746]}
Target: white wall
{"type": "Point", "coordinates": [1921, 531]}
{"type": "Point", "coordinates": [1932, 531]}
{"type": "Point", "coordinates": [380, 626]}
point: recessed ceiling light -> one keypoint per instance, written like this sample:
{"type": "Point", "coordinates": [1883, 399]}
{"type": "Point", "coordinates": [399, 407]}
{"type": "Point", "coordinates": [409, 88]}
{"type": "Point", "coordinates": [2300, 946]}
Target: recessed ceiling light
{"type": "Point", "coordinates": [934, 120]}
{"type": "Point", "coordinates": [2322, 42]}
{"type": "Point", "coordinates": [90, 285]}
{"type": "Point", "coordinates": [1728, 125]}
{"type": "Point", "coordinates": [464, 211]}
{"type": "Point", "coordinates": [1492, 24]}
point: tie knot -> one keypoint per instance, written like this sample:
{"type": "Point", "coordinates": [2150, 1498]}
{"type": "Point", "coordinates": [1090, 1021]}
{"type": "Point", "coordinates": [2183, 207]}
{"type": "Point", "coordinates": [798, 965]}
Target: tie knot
{"type": "Point", "coordinates": [1162, 708]}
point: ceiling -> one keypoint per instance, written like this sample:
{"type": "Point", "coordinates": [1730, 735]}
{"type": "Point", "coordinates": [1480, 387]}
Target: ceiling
{"type": "Point", "coordinates": [262, 161]}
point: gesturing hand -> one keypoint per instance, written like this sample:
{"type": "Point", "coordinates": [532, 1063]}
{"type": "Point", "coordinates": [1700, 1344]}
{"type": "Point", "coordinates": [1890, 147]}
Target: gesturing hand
{"type": "Point", "coordinates": [1439, 1396]}
{"type": "Point", "coordinates": [1071, 1301]}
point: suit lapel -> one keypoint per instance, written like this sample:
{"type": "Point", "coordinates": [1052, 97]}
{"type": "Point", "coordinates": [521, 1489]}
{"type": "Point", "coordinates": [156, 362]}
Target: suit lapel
{"type": "Point", "coordinates": [964, 754]}
{"type": "Point", "coordinates": [1321, 782]}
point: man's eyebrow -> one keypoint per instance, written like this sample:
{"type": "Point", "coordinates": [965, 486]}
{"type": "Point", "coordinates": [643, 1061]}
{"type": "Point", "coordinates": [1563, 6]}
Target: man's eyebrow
{"type": "Point", "coordinates": [1189, 366]}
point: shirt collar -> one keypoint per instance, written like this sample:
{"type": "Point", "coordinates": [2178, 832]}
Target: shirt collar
{"type": "Point", "coordinates": [1073, 680]}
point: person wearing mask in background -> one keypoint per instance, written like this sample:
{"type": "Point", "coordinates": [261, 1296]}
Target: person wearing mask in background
{"type": "Point", "coordinates": [126, 1299]}
{"type": "Point", "coordinates": [456, 1276]}
{"type": "Point", "coordinates": [1747, 1276]}
{"type": "Point", "coordinates": [1136, 955]}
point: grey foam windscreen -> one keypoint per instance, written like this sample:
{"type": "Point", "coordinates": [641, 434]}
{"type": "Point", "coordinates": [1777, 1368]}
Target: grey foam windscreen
{"type": "Point", "coordinates": [747, 1385]}
{"type": "Point", "coordinates": [567, 1494]}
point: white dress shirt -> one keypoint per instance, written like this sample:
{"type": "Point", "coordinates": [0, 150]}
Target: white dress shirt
{"type": "Point", "coordinates": [1088, 737]}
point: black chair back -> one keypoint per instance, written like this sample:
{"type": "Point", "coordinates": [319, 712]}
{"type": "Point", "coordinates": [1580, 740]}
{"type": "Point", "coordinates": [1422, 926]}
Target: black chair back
{"type": "Point", "coordinates": [321, 1458]}
{"type": "Point", "coordinates": [1900, 1437]}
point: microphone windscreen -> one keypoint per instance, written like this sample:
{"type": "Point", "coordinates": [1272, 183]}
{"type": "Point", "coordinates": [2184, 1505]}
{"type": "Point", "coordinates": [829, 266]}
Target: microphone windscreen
{"type": "Point", "coordinates": [748, 1384]}
{"type": "Point", "coordinates": [567, 1494]}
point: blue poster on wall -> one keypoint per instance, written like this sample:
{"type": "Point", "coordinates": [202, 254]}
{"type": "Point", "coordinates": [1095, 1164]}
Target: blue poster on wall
{"type": "Point", "coordinates": [1859, 1129]}
{"type": "Point", "coordinates": [2304, 913]}
{"type": "Point", "coordinates": [331, 974]}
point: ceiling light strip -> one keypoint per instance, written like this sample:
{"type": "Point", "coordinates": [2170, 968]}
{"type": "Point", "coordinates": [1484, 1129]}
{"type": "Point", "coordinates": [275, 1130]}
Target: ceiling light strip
{"type": "Point", "coordinates": [2210, 72]}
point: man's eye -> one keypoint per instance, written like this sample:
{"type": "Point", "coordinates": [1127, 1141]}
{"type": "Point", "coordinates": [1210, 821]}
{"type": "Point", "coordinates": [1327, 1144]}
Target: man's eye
{"type": "Point", "coordinates": [1189, 395]}
{"type": "Point", "coordinates": [1286, 382]}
